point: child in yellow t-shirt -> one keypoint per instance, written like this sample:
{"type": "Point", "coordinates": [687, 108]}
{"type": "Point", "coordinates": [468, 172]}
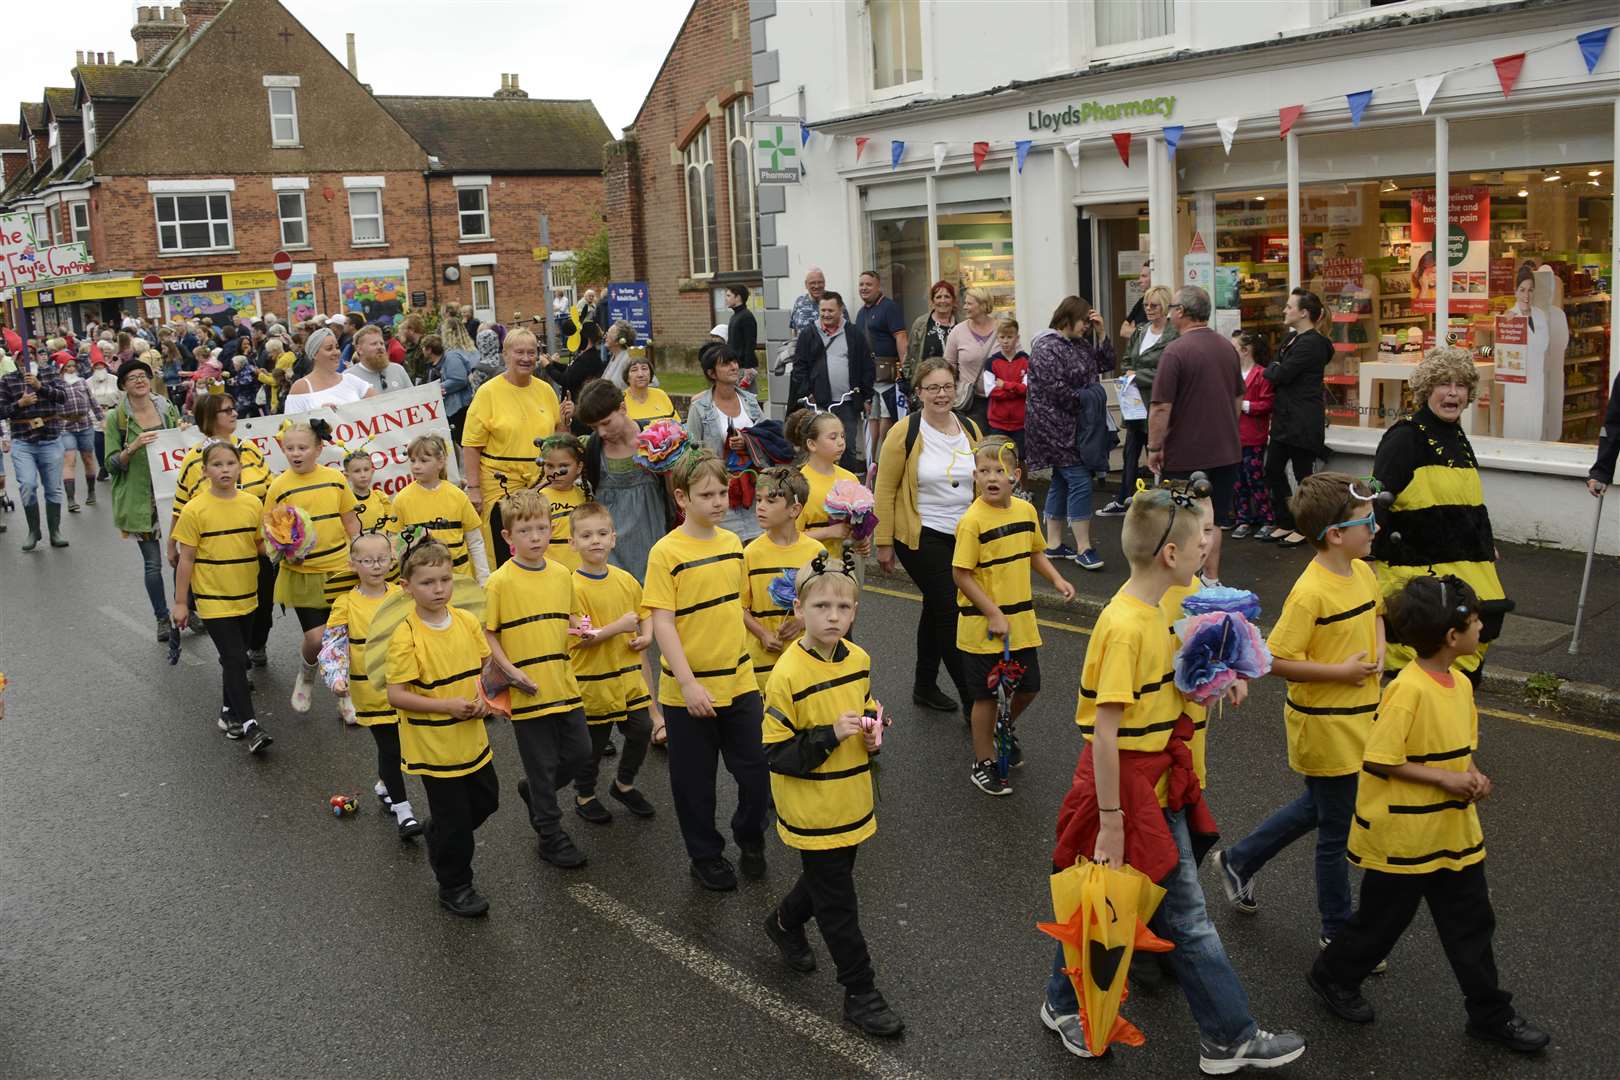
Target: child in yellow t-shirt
{"type": "Point", "coordinates": [694, 588]}
{"type": "Point", "coordinates": [373, 509]}
{"type": "Point", "coordinates": [610, 665]}
{"type": "Point", "coordinates": [371, 555]}
{"type": "Point", "coordinates": [528, 613]}
{"type": "Point", "coordinates": [820, 733]}
{"type": "Point", "coordinates": [778, 500]}
{"type": "Point", "coordinates": [434, 660]}
{"type": "Point", "coordinates": [564, 459]}
{"type": "Point", "coordinates": [1416, 832]}
{"type": "Point", "coordinates": [1329, 644]}
{"type": "Point", "coordinates": [217, 538]}
{"type": "Point", "coordinates": [998, 543]}
{"type": "Point", "coordinates": [431, 500]}
{"type": "Point", "coordinates": [819, 436]}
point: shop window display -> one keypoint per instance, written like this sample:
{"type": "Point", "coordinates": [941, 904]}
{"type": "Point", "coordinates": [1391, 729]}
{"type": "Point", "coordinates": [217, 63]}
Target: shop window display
{"type": "Point", "coordinates": [975, 235]}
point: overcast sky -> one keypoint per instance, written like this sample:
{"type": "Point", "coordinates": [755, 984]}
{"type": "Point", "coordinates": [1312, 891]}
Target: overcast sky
{"type": "Point", "coordinates": [605, 50]}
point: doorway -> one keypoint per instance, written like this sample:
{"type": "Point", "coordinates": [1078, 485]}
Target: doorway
{"type": "Point", "coordinates": [483, 299]}
{"type": "Point", "coordinates": [1113, 242]}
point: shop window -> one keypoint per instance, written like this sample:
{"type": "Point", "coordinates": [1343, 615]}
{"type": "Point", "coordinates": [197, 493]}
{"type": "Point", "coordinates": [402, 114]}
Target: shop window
{"type": "Point", "coordinates": [294, 225]}
{"type": "Point", "coordinates": [895, 27]}
{"type": "Point", "coordinates": [80, 217]}
{"type": "Point", "coordinates": [1125, 22]}
{"type": "Point", "coordinates": [701, 227]}
{"type": "Point", "coordinates": [740, 177]}
{"type": "Point", "coordinates": [200, 222]}
{"type": "Point", "coordinates": [472, 212]}
{"type": "Point", "coordinates": [283, 116]}
{"type": "Point", "coordinates": [365, 215]}
{"type": "Point", "coordinates": [973, 212]}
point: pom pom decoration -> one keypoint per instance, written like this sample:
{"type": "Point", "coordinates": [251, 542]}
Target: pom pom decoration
{"type": "Point", "coordinates": [1217, 649]}
{"type": "Point", "coordinates": [850, 501]}
{"type": "Point", "coordinates": [333, 659]}
{"type": "Point", "coordinates": [660, 446]}
{"type": "Point", "coordinates": [783, 589]}
{"type": "Point", "coordinates": [288, 533]}
{"type": "Point", "coordinates": [1222, 598]}
{"type": "Point", "coordinates": [584, 629]}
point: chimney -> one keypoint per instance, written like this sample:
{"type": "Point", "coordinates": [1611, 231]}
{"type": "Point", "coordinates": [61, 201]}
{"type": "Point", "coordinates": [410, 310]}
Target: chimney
{"type": "Point", "coordinates": [354, 68]}
{"type": "Point", "coordinates": [154, 28]}
{"type": "Point", "coordinates": [101, 59]}
{"type": "Point", "coordinates": [78, 58]}
{"type": "Point", "coordinates": [112, 59]}
{"type": "Point", "coordinates": [199, 13]}
{"type": "Point", "coordinates": [509, 88]}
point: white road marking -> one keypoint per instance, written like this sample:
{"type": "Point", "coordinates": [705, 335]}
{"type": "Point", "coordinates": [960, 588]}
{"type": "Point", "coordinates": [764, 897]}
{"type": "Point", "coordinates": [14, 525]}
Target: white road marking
{"type": "Point", "coordinates": [823, 1032]}
{"type": "Point", "coordinates": [145, 630]}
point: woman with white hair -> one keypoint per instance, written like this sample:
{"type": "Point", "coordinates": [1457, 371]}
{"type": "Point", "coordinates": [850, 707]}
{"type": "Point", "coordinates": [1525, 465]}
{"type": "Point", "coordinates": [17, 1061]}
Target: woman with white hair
{"type": "Point", "coordinates": [325, 386]}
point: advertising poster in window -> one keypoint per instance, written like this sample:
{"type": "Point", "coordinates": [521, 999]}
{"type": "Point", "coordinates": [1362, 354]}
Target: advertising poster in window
{"type": "Point", "coordinates": [1511, 348]}
{"type": "Point", "coordinates": [377, 296]}
{"type": "Point", "coordinates": [301, 297]}
{"type": "Point", "coordinates": [224, 304]}
{"type": "Point", "coordinates": [1467, 252]}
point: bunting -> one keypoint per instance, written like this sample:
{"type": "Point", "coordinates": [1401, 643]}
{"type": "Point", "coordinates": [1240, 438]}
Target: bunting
{"type": "Point", "coordinates": [1507, 71]}
{"type": "Point", "coordinates": [1358, 105]}
{"type": "Point", "coordinates": [1227, 126]}
{"type": "Point", "coordinates": [1172, 136]}
{"type": "Point", "coordinates": [1592, 43]}
{"type": "Point", "coordinates": [1022, 147]}
{"type": "Point", "coordinates": [897, 150]}
{"type": "Point", "coordinates": [860, 146]}
{"type": "Point", "coordinates": [980, 151]}
{"type": "Point", "coordinates": [804, 136]}
{"type": "Point", "coordinates": [1427, 87]}
{"type": "Point", "coordinates": [939, 155]}
{"type": "Point", "coordinates": [1072, 148]}
{"type": "Point", "coordinates": [1122, 143]}
{"type": "Point", "coordinates": [1286, 117]}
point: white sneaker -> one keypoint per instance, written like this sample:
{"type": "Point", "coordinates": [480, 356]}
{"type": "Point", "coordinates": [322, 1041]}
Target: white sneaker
{"type": "Point", "coordinates": [1262, 1050]}
{"type": "Point", "coordinates": [303, 690]}
{"type": "Point", "coordinates": [1068, 1029]}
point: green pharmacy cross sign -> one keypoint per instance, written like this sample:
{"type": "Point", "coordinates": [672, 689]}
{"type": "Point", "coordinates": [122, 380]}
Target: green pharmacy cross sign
{"type": "Point", "coordinates": [777, 142]}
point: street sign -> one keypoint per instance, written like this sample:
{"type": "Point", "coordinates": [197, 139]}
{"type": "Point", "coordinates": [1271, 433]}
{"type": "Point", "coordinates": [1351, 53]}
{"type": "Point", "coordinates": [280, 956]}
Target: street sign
{"type": "Point", "coordinates": [627, 302]}
{"type": "Point", "coordinates": [281, 265]}
{"type": "Point", "coordinates": [777, 149]}
{"type": "Point", "coordinates": [541, 254]}
{"type": "Point", "coordinates": [152, 286]}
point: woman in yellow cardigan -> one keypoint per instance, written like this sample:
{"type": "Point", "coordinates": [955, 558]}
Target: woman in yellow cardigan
{"type": "Point", "coordinates": [924, 486]}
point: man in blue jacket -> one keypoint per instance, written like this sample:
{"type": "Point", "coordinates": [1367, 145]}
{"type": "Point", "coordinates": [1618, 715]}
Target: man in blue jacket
{"type": "Point", "coordinates": [832, 368]}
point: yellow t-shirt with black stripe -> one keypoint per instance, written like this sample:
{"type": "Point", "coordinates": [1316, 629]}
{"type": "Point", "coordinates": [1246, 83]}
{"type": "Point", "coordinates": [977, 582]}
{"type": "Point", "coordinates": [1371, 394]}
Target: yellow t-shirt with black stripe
{"type": "Point", "coordinates": [417, 505]}
{"type": "Point", "coordinates": [254, 478]}
{"type": "Point", "coordinates": [1327, 619]}
{"type": "Point", "coordinates": [439, 664]}
{"type": "Point", "coordinates": [814, 514]}
{"type": "Point", "coordinates": [563, 505]}
{"type": "Point", "coordinates": [325, 495]}
{"type": "Point", "coordinates": [375, 511]}
{"type": "Point", "coordinates": [1170, 607]}
{"type": "Point", "coordinates": [763, 561]}
{"type": "Point", "coordinates": [996, 544]}
{"type": "Point", "coordinates": [609, 674]}
{"type": "Point", "coordinates": [656, 407]}
{"type": "Point", "coordinates": [1129, 662]}
{"type": "Point", "coordinates": [702, 583]}
{"type": "Point", "coordinates": [225, 532]}
{"type": "Point", "coordinates": [527, 609]}
{"type": "Point", "coordinates": [831, 807]}
{"type": "Point", "coordinates": [354, 609]}
{"type": "Point", "coordinates": [1407, 827]}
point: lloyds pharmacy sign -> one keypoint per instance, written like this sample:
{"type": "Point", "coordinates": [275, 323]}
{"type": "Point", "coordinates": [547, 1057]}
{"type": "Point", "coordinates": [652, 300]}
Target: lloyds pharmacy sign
{"type": "Point", "coordinates": [1090, 112]}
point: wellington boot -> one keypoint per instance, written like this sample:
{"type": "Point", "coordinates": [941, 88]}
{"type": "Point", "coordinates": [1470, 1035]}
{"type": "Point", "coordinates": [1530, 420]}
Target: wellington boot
{"type": "Point", "coordinates": [53, 521]}
{"type": "Point", "coordinates": [31, 512]}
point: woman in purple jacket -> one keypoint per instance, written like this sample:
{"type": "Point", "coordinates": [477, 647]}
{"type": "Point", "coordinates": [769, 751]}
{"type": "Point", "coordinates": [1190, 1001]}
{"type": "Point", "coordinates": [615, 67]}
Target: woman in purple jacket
{"type": "Point", "coordinates": [1063, 361]}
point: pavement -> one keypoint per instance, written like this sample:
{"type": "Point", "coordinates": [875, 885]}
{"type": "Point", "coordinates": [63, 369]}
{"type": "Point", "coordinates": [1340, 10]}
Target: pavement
{"type": "Point", "coordinates": [173, 907]}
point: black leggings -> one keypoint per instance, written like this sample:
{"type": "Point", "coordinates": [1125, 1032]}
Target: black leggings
{"type": "Point", "coordinates": [311, 617]}
{"type": "Point", "coordinates": [230, 635]}
{"type": "Point", "coordinates": [929, 565]}
{"type": "Point", "coordinates": [1278, 457]}
{"type": "Point", "coordinates": [387, 736]}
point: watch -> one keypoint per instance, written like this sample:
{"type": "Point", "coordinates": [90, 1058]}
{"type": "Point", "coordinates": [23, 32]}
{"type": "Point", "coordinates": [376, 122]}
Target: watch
{"type": "Point", "coordinates": [1154, 449]}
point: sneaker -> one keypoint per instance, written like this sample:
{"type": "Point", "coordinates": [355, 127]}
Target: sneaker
{"type": "Point", "coordinates": [303, 691]}
{"type": "Point", "coordinates": [633, 801]}
{"type": "Point", "coordinates": [1115, 508]}
{"type": "Point", "coordinates": [1025, 494]}
{"type": "Point", "coordinates": [1207, 582]}
{"type": "Point", "coordinates": [715, 874]}
{"type": "Point", "coordinates": [593, 811]}
{"type": "Point", "coordinates": [227, 724]}
{"type": "Point", "coordinates": [73, 507]}
{"type": "Point", "coordinates": [1015, 755]}
{"type": "Point", "coordinates": [346, 711]}
{"type": "Point", "coordinates": [1516, 1033]}
{"type": "Point", "coordinates": [465, 901]}
{"type": "Point", "coordinates": [1242, 531]}
{"type": "Point", "coordinates": [1343, 1001]}
{"type": "Point", "coordinates": [1061, 551]}
{"type": "Point", "coordinates": [872, 1014]}
{"type": "Point", "coordinates": [258, 738]}
{"type": "Point", "coordinates": [1262, 1050]}
{"type": "Point", "coordinates": [609, 750]}
{"type": "Point", "coordinates": [1381, 968]}
{"type": "Point", "coordinates": [1266, 534]}
{"type": "Point", "coordinates": [1089, 559]}
{"type": "Point", "coordinates": [752, 863]}
{"type": "Point", "coordinates": [163, 628]}
{"type": "Point", "coordinates": [410, 828]}
{"type": "Point", "coordinates": [257, 658]}
{"type": "Point", "coordinates": [1238, 890]}
{"type": "Point", "coordinates": [559, 850]}
{"type": "Point", "coordinates": [985, 779]}
{"type": "Point", "coordinates": [793, 945]}
{"type": "Point", "coordinates": [1068, 1029]}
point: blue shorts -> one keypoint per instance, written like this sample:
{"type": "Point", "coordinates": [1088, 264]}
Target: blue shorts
{"type": "Point", "coordinates": [83, 441]}
{"type": "Point", "coordinates": [1069, 496]}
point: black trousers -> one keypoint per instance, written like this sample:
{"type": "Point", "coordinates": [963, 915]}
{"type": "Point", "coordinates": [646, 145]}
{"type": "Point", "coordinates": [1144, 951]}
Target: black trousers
{"type": "Point", "coordinates": [457, 805]}
{"type": "Point", "coordinates": [696, 746]}
{"type": "Point", "coordinates": [553, 749]}
{"type": "Point", "coordinates": [311, 617]}
{"type": "Point", "coordinates": [230, 634]}
{"type": "Point", "coordinates": [267, 603]}
{"type": "Point", "coordinates": [637, 729]}
{"type": "Point", "coordinates": [387, 738]}
{"type": "Point", "coordinates": [1460, 905]}
{"type": "Point", "coordinates": [826, 889]}
{"type": "Point", "coordinates": [929, 565]}
{"type": "Point", "coordinates": [1278, 457]}
{"type": "Point", "coordinates": [1131, 460]}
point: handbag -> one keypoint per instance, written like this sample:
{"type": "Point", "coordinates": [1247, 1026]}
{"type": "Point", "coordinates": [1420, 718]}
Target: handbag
{"type": "Point", "coordinates": [887, 369]}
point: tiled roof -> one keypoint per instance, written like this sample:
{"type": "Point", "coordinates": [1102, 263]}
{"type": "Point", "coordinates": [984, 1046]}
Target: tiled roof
{"type": "Point", "coordinates": [33, 113]}
{"type": "Point", "coordinates": [11, 137]}
{"type": "Point", "coordinates": [504, 135]}
{"type": "Point", "coordinates": [59, 99]}
{"type": "Point", "coordinates": [121, 81]}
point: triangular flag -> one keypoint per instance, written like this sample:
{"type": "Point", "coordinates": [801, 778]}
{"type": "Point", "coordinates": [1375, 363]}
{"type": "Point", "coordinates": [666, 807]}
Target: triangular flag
{"type": "Point", "coordinates": [1286, 117]}
{"type": "Point", "coordinates": [1072, 148]}
{"type": "Point", "coordinates": [939, 155]}
{"type": "Point", "coordinates": [1022, 147]}
{"type": "Point", "coordinates": [980, 150]}
{"type": "Point", "coordinates": [1427, 87]}
{"type": "Point", "coordinates": [1172, 136]}
{"type": "Point", "coordinates": [1358, 105]}
{"type": "Point", "coordinates": [897, 150]}
{"type": "Point", "coordinates": [1592, 43]}
{"type": "Point", "coordinates": [804, 136]}
{"type": "Point", "coordinates": [1122, 143]}
{"type": "Point", "coordinates": [1228, 128]}
{"type": "Point", "coordinates": [860, 146]}
{"type": "Point", "coordinates": [1507, 71]}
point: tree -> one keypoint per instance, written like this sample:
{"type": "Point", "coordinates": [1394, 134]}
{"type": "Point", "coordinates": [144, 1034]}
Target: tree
{"type": "Point", "coordinates": [591, 267]}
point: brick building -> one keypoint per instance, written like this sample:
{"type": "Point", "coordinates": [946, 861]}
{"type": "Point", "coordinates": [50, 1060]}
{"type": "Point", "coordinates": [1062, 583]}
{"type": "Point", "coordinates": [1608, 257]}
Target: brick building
{"type": "Point", "coordinates": [236, 134]}
{"type": "Point", "coordinates": [681, 203]}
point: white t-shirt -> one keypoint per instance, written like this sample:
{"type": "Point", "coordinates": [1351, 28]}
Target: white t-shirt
{"type": "Point", "coordinates": [349, 389]}
{"type": "Point", "coordinates": [1150, 337]}
{"type": "Point", "coordinates": [944, 478]}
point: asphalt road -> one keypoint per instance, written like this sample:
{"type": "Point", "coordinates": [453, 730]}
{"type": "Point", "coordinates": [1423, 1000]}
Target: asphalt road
{"type": "Point", "coordinates": [171, 907]}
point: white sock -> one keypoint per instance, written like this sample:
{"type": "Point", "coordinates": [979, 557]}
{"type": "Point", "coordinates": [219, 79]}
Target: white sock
{"type": "Point", "coordinates": [381, 789]}
{"type": "Point", "coordinates": [402, 810]}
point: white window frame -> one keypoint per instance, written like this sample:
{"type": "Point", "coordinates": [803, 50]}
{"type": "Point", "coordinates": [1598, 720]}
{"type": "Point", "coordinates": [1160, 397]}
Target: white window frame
{"type": "Point", "coordinates": [54, 140]}
{"type": "Point", "coordinates": [462, 213]}
{"type": "Point", "coordinates": [207, 195]}
{"type": "Point", "coordinates": [42, 235]}
{"type": "Point", "coordinates": [869, 66]}
{"type": "Point", "coordinates": [287, 84]}
{"type": "Point", "coordinates": [697, 159]}
{"type": "Point", "coordinates": [738, 132]}
{"type": "Point", "coordinates": [1181, 16]}
{"type": "Point", "coordinates": [33, 153]}
{"type": "Point", "coordinates": [80, 234]}
{"type": "Point", "coordinates": [381, 238]}
{"type": "Point", "coordinates": [89, 114]}
{"type": "Point", "coordinates": [302, 217]}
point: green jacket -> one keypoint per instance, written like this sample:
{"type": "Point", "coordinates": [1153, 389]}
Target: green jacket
{"type": "Point", "coordinates": [1145, 362]}
{"type": "Point", "coordinates": [134, 510]}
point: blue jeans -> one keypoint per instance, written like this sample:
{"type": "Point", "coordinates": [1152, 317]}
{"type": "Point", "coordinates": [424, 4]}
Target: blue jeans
{"type": "Point", "coordinates": [1069, 497]}
{"type": "Point", "coordinates": [1219, 1006]}
{"type": "Point", "coordinates": [38, 464]}
{"type": "Point", "coordinates": [82, 441]}
{"type": "Point", "coordinates": [1326, 806]}
{"type": "Point", "coordinates": [152, 562]}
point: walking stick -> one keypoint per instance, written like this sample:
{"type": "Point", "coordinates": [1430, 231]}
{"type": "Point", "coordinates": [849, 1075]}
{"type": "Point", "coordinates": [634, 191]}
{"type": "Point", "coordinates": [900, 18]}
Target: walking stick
{"type": "Point", "coordinates": [1586, 578]}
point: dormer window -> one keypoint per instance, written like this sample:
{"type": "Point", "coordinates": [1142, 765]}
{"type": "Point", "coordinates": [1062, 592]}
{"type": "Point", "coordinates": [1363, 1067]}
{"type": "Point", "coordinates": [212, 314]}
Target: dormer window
{"type": "Point", "coordinates": [283, 90]}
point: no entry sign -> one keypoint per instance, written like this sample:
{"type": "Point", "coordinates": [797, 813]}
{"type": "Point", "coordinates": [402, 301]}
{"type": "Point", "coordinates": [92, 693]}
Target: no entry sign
{"type": "Point", "coordinates": [281, 265]}
{"type": "Point", "coordinates": [152, 286]}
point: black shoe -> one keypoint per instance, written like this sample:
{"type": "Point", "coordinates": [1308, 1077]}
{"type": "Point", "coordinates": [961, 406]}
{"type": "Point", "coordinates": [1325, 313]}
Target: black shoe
{"type": "Point", "coordinates": [103, 475]}
{"type": "Point", "coordinates": [257, 737]}
{"type": "Point", "coordinates": [752, 863]}
{"type": "Point", "coordinates": [794, 946]}
{"type": "Point", "coordinates": [256, 658]}
{"type": "Point", "coordinates": [609, 750]}
{"type": "Point", "coordinates": [633, 801]}
{"type": "Point", "coordinates": [593, 811]}
{"type": "Point", "coordinates": [872, 1014]}
{"type": "Point", "coordinates": [228, 724]}
{"type": "Point", "coordinates": [465, 901]}
{"type": "Point", "coordinates": [931, 697]}
{"type": "Point", "coordinates": [715, 874]}
{"type": "Point", "coordinates": [1015, 755]}
{"type": "Point", "coordinates": [1345, 1003]}
{"type": "Point", "coordinates": [1516, 1034]}
{"type": "Point", "coordinates": [163, 630]}
{"type": "Point", "coordinates": [559, 850]}
{"type": "Point", "coordinates": [409, 829]}
{"type": "Point", "coordinates": [523, 790]}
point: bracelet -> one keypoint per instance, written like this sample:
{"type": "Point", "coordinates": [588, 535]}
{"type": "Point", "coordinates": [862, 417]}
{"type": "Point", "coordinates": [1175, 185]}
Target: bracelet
{"type": "Point", "coordinates": [1109, 810]}
{"type": "Point", "coordinates": [1154, 449]}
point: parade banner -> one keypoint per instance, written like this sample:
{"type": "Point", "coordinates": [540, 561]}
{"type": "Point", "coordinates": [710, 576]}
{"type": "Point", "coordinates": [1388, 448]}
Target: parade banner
{"type": "Point", "coordinates": [384, 425]}
{"type": "Point", "coordinates": [22, 262]}
{"type": "Point", "coordinates": [1468, 250]}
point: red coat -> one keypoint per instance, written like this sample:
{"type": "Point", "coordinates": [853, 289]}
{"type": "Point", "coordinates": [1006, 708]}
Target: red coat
{"type": "Point", "coordinates": [1006, 407]}
{"type": "Point", "coordinates": [1254, 424]}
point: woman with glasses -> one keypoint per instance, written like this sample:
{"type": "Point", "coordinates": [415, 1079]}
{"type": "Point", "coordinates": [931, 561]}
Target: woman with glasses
{"type": "Point", "coordinates": [924, 486]}
{"type": "Point", "coordinates": [131, 426]}
{"type": "Point", "coordinates": [1141, 360]}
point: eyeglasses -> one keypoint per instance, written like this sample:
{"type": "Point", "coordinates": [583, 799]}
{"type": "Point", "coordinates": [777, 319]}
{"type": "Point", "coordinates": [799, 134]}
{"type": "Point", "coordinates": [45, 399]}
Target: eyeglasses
{"type": "Point", "coordinates": [1370, 521]}
{"type": "Point", "coordinates": [937, 388]}
{"type": "Point", "coordinates": [374, 561]}
{"type": "Point", "coordinates": [227, 408]}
